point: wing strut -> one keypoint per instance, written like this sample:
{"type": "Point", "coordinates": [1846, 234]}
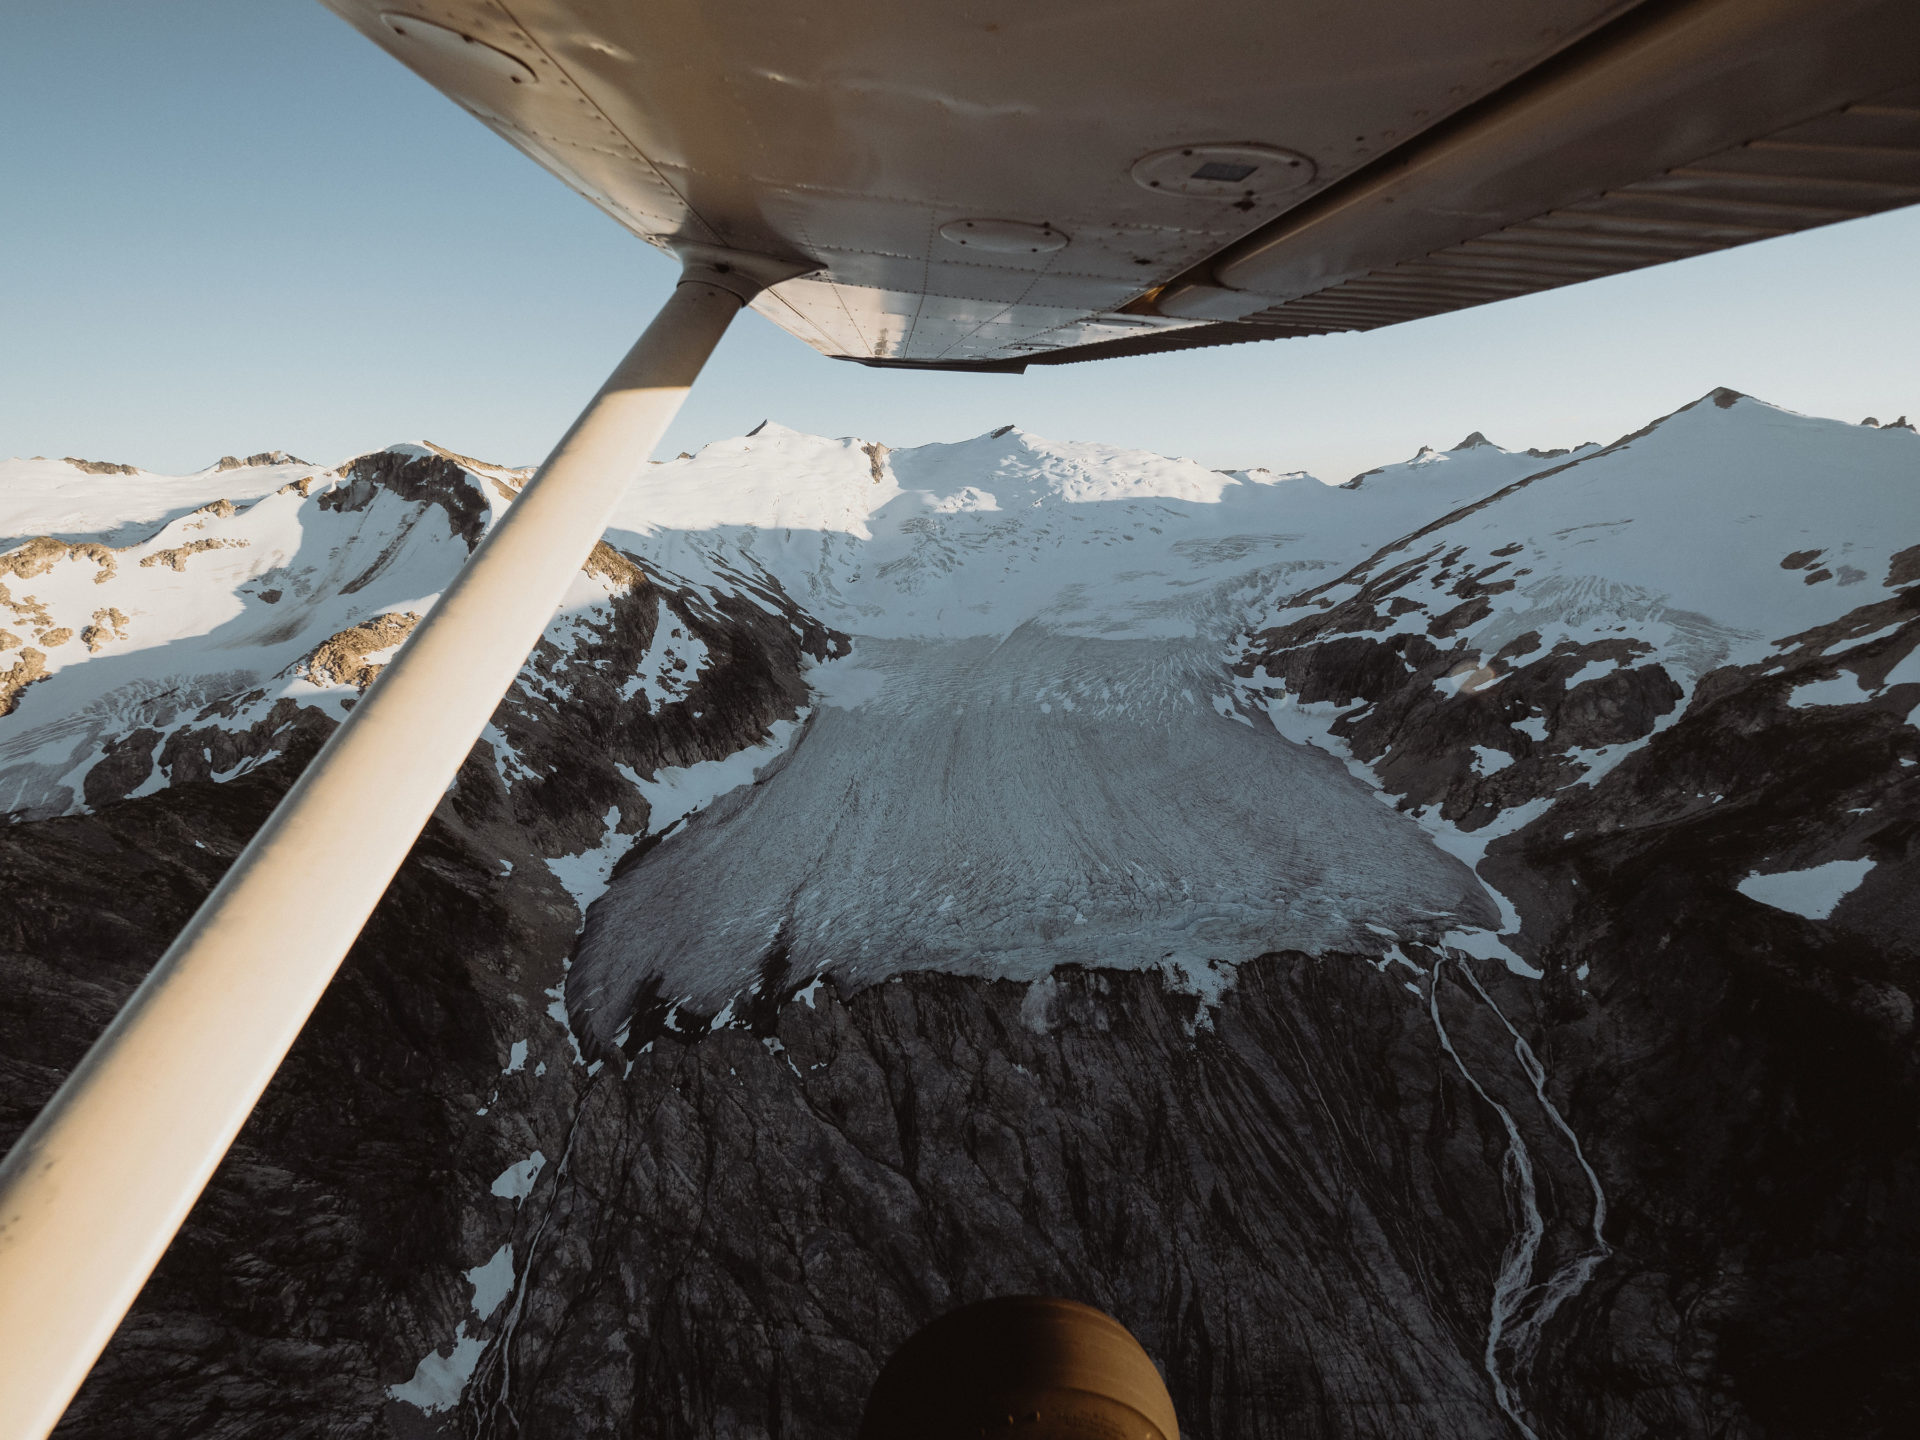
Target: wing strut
{"type": "Point", "coordinates": [92, 1194]}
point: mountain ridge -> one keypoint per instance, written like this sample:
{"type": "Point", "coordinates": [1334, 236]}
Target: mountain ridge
{"type": "Point", "coordinates": [763, 986]}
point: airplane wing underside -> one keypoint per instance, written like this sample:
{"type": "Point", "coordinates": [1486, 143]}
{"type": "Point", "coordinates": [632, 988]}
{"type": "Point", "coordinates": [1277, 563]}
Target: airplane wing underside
{"type": "Point", "coordinates": [998, 184]}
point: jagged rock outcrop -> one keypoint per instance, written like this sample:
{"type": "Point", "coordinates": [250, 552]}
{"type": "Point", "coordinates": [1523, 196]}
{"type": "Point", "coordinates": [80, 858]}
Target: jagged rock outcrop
{"type": "Point", "coordinates": [252, 462]}
{"type": "Point", "coordinates": [101, 467]}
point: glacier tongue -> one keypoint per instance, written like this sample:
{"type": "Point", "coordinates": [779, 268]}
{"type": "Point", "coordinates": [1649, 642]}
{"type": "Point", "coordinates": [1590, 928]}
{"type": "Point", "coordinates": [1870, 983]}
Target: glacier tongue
{"type": "Point", "coordinates": [1000, 807]}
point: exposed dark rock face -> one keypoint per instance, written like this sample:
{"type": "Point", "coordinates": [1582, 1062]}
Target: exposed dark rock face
{"type": "Point", "coordinates": [285, 1296]}
{"type": "Point", "coordinates": [422, 478]}
{"type": "Point", "coordinates": [1290, 1202]}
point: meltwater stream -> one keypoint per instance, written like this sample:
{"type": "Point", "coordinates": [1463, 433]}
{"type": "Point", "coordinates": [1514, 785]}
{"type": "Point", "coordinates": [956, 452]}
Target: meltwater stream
{"type": "Point", "coordinates": [1522, 1304]}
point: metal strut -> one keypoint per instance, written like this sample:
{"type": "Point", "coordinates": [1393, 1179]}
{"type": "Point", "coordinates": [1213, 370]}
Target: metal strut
{"type": "Point", "coordinates": [92, 1194]}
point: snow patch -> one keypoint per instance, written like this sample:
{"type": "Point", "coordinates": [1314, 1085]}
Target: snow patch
{"type": "Point", "coordinates": [674, 660]}
{"type": "Point", "coordinates": [1907, 672]}
{"type": "Point", "coordinates": [677, 792]}
{"type": "Point", "coordinates": [492, 1282]}
{"type": "Point", "coordinates": [1814, 892]}
{"type": "Point", "coordinates": [1843, 689]}
{"type": "Point", "coordinates": [1488, 761]}
{"type": "Point", "coordinates": [584, 876]}
{"type": "Point", "coordinates": [516, 1182]}
{"type": "Point", "coordinates": [438, 1380]}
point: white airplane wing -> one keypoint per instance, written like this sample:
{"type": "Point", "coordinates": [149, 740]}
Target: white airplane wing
{"type": "Point", "coordinates": [998, 184]}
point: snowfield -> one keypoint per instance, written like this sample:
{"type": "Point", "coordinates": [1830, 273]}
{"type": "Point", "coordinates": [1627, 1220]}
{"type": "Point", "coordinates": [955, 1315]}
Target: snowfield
{"type": "Point", "coordinates": [1709, 538]}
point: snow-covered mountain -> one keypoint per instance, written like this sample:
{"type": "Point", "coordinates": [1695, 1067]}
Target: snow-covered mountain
{"type": "Point", "coordinates": [1465, 1113]}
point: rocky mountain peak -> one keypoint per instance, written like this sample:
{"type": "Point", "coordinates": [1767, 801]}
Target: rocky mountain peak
{"type": "Point", "coordinates": [101, 467]}
{"type": "Point", "coordinates": [252, 462]}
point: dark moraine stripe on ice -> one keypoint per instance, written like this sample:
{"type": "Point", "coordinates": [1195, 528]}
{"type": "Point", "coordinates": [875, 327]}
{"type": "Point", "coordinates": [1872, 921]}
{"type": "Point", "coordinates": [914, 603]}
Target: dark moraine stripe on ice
{"type": "Point", "coordinates": [999, 807]}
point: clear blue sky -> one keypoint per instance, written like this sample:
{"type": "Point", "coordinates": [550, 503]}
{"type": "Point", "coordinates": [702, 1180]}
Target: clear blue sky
{"type": "Point", "coordinates": [234, 225]}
